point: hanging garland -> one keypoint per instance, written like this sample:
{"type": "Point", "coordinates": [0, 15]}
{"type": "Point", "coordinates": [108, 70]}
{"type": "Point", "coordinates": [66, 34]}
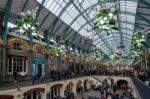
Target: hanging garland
{"type": "Point", "coordinates": [28, 25]}
{"type": "Point", "coordinates": [105, 20]}
{"type": "Point", "coordinates": [138, 42]}
{"type": "Point", "coordinates": [94, 55]}
{"type": "Point", "coordinates": [112, 57]}
{"type": "Point", "coordinates": [58, 52]}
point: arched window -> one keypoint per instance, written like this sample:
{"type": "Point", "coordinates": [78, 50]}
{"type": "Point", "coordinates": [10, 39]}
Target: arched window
{"type": "Point", "coordinates": [38, 51]}
{"type": "Point", "coordinates": [55, 91]}
{"type": "Point", "coordinates": [35, 93]}
{"type": "Point", "coordinates": [17, 46]}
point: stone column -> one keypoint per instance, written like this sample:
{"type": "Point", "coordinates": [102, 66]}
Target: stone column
{"type": "Point", "coordinates": [44, 95]}
{"type": "Point", "coordinates": [74, 90]}
{"type": "Point", "coordinates": [62, 91]}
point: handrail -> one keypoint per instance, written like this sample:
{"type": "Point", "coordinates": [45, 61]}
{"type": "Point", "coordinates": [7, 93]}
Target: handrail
{"type": "Point", "coordinates": [9, 85]}
{"type": "Point", "coordinates": [143, 83]}
{"type": "Point", "coordinates": [144, 91]}
{"type": "Point", "coordinates": [26, 81]}
{"type": "Point", "coordinates": [136, 92]}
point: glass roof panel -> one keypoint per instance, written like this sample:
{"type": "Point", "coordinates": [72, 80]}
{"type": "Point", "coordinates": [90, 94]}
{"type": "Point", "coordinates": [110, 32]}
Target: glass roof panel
{"type": "Point", "coordinates": [126, 25]}
{"type": "Point", "coordinates": [55, 6]}
{"type": "Point", "coordinates": [103, 48]}
{"type": "Point", "coordinates": [82, 23]}
{"type": "Point", "coordinates": [127, 18]}
{"type": "Point", "coordinates": [127, 31]}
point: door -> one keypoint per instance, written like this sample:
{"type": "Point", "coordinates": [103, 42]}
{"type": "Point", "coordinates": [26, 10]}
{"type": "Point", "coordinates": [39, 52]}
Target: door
{"type": "Point", "coordinates": [77, 68]}
{"type": "Point", "coordinates": [40, 70]}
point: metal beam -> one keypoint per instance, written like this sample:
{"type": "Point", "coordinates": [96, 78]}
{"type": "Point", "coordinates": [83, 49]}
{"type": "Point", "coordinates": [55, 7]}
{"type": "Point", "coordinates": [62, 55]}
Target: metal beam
{"type": "Point", "coordinates": [58, 27]}
{"type": "Point", "coordinates": [144, 2]}
{"type": "Point", "coordinates": [56, 20]}
{"type": "Point", "coordinates": [5, 37]}
{"type": "Point", "coordinates": [23, 8]}
{"type": "Point", "coordinates": [90, 7]}
{"type": "Point", "coordinates": [121, 36]}
{"type": "Point", "coordinates": [64, 36]}
{"type": "Point", "coordinates": [73, 37]}
{"type": "Point", "coordinates": [90, 24]}
{"type": "Point", "coordinates": [39, 9]}
{"type": "Point", "coordinates": [145, 19]}
{"type": "Point", "coordinates": [109, 38]}
{"type": "Point", "coordinates": [110, 41]}
{"type": "Point", "coordinates": [85, 11]}
{"type": "Point", "coordinates": [74, 21]}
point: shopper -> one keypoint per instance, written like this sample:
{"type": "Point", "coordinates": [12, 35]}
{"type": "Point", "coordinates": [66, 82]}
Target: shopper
{"type": "Point", "coordinates": [43, 77]}
{"type": "Point", "coordinates": [15, 76]}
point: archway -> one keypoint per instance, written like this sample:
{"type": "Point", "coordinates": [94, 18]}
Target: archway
{"type": "Point", "coordinates": [68, 89]}
{"type": "Point", "coordinates": [122, 84]}
{"type": "Point", "coordinates": [34, 93]}
{"type": "Point", "coordinates": [55, 91]}
{"type": "Point", "coordinates": [86, 85]}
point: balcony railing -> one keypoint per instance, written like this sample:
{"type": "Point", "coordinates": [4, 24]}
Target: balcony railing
{"type": "Point", "coordinates": [23, 81]}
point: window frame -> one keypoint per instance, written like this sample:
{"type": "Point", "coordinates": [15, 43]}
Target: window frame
{"type": "Point", "coordinates": [38, 51]}
{"type": "Point", "coordinates": [18, 47]}
{"type": "Point", "coordinates": [23, 66]}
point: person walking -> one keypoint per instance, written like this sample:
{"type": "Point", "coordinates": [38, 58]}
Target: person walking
{"type": "Point", "coordinates": [15, 76]}
{"type": "Point", "coordinates": [53, 71]}
{"type": "Point", "coordinates": [43, 77]}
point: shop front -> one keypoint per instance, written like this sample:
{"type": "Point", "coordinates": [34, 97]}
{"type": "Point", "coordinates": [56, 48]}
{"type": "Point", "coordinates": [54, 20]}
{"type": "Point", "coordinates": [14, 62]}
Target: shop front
{"type": "Point", "coordinates": [38, 60]}
{"type": "Point", "coordinates": [38, 66]}
{"type": "Point", "coordinates": [17, 59]}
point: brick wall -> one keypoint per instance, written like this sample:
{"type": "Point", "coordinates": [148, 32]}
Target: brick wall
{"type": "Point", "coordinates": [43, 50]}
{"type": "Point", "coordinates": [24, 51]}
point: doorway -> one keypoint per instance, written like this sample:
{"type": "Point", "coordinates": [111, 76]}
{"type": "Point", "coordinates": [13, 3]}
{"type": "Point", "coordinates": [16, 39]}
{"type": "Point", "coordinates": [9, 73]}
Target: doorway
{"type": "Point", "coordinates": [71, 66]}
{"type": "Point", "coordinates": [40, 70]}
{"type": "Point", "coordinates": [77, 68]}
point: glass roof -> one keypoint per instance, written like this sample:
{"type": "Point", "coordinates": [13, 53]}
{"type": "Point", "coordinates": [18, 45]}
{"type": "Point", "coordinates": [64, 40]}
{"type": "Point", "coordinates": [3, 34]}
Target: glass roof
{"type": "Point", "coordinates": [79, 15]}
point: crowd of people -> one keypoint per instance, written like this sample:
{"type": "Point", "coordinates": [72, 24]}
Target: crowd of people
{"type": "Point", "coordinates": [107, 91]}
{"type": "Point", "coordinates": [63, 73]}
{"type": "Point", "coordinates": [110, 91]}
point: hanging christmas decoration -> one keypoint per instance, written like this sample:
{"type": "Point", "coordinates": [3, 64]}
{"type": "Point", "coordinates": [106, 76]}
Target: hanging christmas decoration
{"type": "Point", "coordinates": [105, 19]}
